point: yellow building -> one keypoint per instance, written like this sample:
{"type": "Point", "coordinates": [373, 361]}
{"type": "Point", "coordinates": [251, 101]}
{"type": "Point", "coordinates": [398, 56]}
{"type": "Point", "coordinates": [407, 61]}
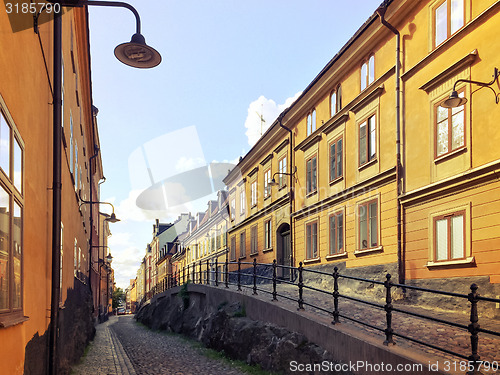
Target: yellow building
{"type": "Point", "coordinates": [384, 179]}
{"type": "Point", "coordinates": [451, 197]}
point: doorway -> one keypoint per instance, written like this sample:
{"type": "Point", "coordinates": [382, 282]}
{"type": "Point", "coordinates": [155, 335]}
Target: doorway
{"type": "Point", "coordinates": [283, 253]}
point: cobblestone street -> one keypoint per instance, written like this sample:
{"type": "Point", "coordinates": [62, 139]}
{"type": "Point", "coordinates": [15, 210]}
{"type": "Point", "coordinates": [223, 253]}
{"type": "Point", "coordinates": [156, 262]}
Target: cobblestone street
{"type": "Point", "coordinates": [123, 347]}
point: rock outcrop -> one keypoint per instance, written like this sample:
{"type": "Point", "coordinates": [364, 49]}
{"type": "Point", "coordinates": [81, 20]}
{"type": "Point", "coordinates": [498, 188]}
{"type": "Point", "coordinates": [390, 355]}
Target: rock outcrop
{"type": "Point", "coordinates": [227, 329]}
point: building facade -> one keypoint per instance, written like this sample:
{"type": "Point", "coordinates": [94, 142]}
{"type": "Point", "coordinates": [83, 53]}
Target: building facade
{"type": "Point", "coordinates": [26, 145]}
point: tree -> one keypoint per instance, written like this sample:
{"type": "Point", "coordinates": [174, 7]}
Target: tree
{"type": "Point", "coordinates": [118, 297]}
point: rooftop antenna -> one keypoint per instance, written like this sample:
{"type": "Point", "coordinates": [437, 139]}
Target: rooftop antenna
{"type": "Point", "coordinates": [261, 118]}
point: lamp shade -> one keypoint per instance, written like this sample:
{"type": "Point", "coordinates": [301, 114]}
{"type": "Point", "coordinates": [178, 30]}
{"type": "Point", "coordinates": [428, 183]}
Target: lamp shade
{"type": "Point", "coordinates": [137, 53]}
{"type": "Point", "coordinates": [454, 101]}
{"type": "Point", "coordinates": [112, 218]}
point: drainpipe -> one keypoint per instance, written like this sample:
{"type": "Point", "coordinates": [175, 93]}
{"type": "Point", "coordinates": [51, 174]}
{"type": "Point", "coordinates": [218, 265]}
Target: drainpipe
{"type": "Point", "coordinates": [91, 237]}
{"type": "Point", "coordinates": [56, 195]}
{"type": "Point", "coordinates": [399, 168]}
{"type": "Point", "coordinates": [291, 193]}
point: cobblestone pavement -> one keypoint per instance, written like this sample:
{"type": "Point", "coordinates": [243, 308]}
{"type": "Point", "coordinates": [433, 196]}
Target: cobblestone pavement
{"type": "Point", "coordinates": [105, 355]}
{"type": "Point", "coordinates": [122, 346]}
{"type": "Point", "coordinates": [442, 335]}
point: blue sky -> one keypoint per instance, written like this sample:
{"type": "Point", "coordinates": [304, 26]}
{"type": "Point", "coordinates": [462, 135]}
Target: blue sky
{"type": "Point", "coordinates": [225, 62]}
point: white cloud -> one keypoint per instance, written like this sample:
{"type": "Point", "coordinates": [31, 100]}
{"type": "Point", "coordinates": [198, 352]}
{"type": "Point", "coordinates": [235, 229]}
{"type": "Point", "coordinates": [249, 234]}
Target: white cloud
{"type": "Point", "coordinates": [261, 115]}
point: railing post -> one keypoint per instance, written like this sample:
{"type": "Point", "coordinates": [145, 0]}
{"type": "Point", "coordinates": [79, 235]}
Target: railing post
{"type": "Point", "coordinates": [335, 295]}
{"type": "Point", "coordinates": [274, 280]}
{"type": "Point", "coordinates": [388, 310]}
{"type": "Point", "coordinates": [227, 272]}
{"type": "Point", "coordinates": [239, 274]}
{"type": "Point", "coordinates": [188, 267]}
{"type": "Point", "coordinates": [254, 276]}
{"type": "Point", "coordinates": [301, 288]}
{"type": "Point", "coordinates": [207, 278]}
{"type": "Point", "coordinates": [200, 281]}
{"type": "Point", "coordinates": [216, 272]}
{"type": "Point", "coordinates": [474, 328]}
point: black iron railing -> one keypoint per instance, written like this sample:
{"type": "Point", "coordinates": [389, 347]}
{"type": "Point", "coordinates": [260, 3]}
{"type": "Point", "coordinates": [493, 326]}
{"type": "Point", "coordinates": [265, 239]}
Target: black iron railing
{"type": "Point", "coordinates": [210, 276]}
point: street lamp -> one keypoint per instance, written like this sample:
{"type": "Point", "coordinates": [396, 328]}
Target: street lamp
{"type": "Point", "coordinates": [273, 181]}
{"type": "Point", "coordinates": [455, 101]}
{"type": "Point", "coordinates": [136, 54]}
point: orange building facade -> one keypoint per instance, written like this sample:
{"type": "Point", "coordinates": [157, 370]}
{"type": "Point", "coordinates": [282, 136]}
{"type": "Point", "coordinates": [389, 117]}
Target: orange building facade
{"type": "Point", "coordinates": [26, 193]}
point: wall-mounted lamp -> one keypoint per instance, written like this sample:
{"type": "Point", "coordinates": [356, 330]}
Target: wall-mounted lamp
{"type": "Point", "coordinates": [455, 101]}
{"type": "Point", "coordinates": [273, 181]}
{"type": "Point", "coordinates": [112, 218]}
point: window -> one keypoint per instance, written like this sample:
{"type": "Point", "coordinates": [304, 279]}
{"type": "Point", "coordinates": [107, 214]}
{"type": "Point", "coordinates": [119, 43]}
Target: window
{"type": "Point", "coordinates": [336, 159]}
{"type": "Point", "coordinates": [367, 72]}
{"type": "Point", "coordinates": [282, 171]}
{"type": "Point", "coordinates": [368, 225]}
{"type": "Point", "coordinates": [76, 165]}
{"type": "Point", "coordinates": [233, 248]}
{"type": "Point", "coordinates": [268, 244]}
{"type": "Point", "coordinates": [233, 208]}
{"type": "Point", "coordinates": [312, 240]}
{"type": "Point", "coordinates": [11, 221]}
{"type": "Point", "coordinates": [311, 122]}
{"type": "Point", "coordinates": [243, 201]}
{"type": "Point", "coordinates": [367, 140]}
{"type": "Point", "coordinates": [218, 239]}
{"type": "Point", "coordinates": [337, 233]}
{"type": "Point", "coordinates": [449, 234]}
{"type": "Point", "coordinates": [242, 244]}
{"type": "Point", "coordinates": [253, 191]}
{"type": "Point", "coordinates": [76, 260]}
{"type": "Point", "coordinates": [450, 129]}
{"type": "Point", "coordinates": [71, 148]}
{"type": "Point", "coordinates": [311, 175]}
{"type": "Point", "coordinates": [267, 186]}
{"type": "Point", "coordinates": [335, 101]}
{"type": "Point", "coordinates": [253, 240]}
{"type": "Point", "coordinates": [448, 19]}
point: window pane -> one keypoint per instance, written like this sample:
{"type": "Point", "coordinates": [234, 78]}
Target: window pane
{"type": "Point", "coordinates": [4, 145]}
{"type": "Point", "coordinates": [4, 249]}
{"type": "Point", "coordinates": [332, 161]}
{"type": "Point", "coordinates": [340, 232]}
{"type": "Point", "coordinates": [339, 98]}
{"type": "Point", "coordinates": [16, 237]}
{"type": "Point", "coordinates": [308, 177]}
{"type": "Point", "coordinates": [442, 239]}
{"type": "Point", "coordinates": [313, 125]}
{"type": "Point", "coordinates": [339, 158]}
{"type": "Point", "coordinates": [457, 237]}
{"type": "Point", "coordinates": [442, 114]}
{"type": "Point", "coordinates": [364, 72]}
{"type": "Point", "coordinates": [442, 137]}
{"type": "Point", "coordinates": [332, 235]}
{"type": "Point", "coordinates": [309, 124]}
{"type": "Point", "coordinates": [333, 103]}
{"type": "Point", "coordinates": [313, 177]}
{"type": "Point", "coordinates": [457, 130]}
{"type": "Point", "coordinates": [363, 235]}
{"type": "Point", "coordinates": [441, 23]}
{"type": "Point", "coordinates": [373, 225]}
{"type": "Point", "coordinates": [314, 240]}
{"type": "Point", "coordinates": [372, 150]}
{"type": "Point", "coordinates": [18, 166]}
{"type": "Point", "coordinates": [457, 15]}
{"type": "Point", "coordinates": [308, 241]}
{"type": "Point", "coordinates": [371, 69]}
{"type": "Point", "coordinates": [362, 143]}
